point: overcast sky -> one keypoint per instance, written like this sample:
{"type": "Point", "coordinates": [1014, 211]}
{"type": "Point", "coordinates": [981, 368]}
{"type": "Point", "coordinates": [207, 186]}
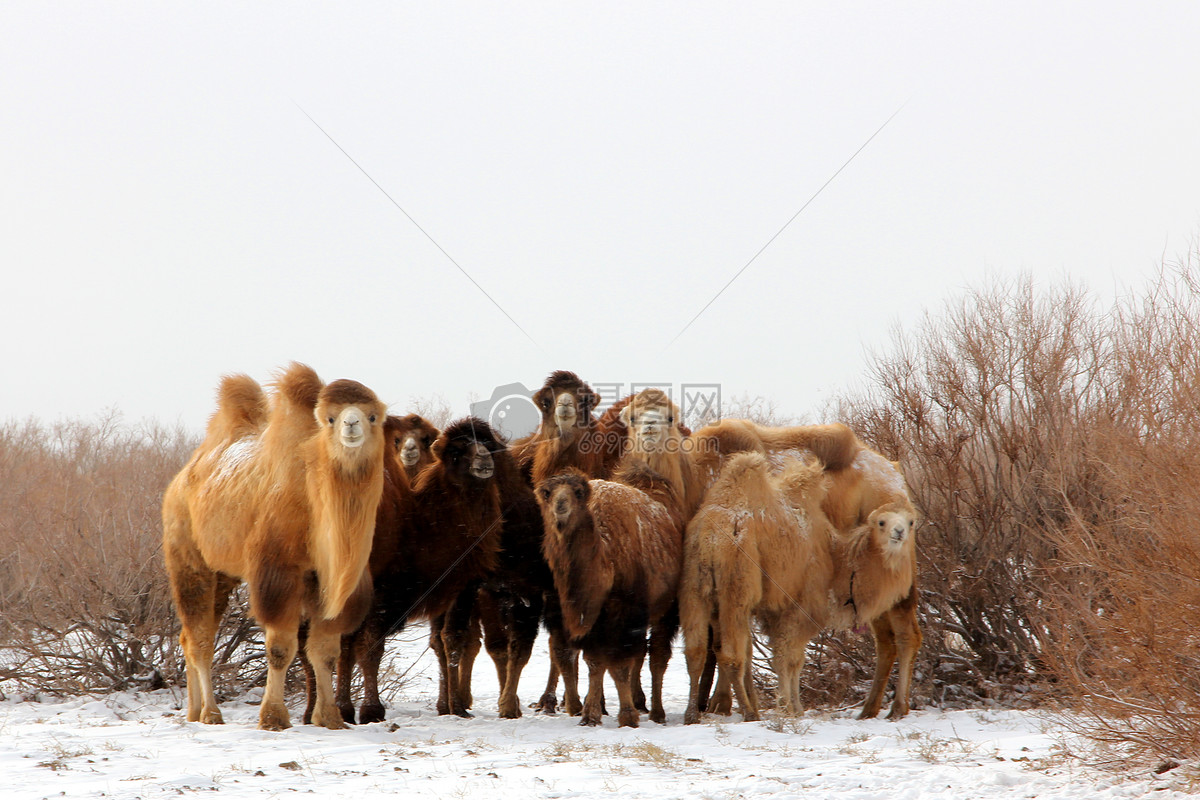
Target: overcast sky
{"type": "Point", "coordinates": [170, 213]}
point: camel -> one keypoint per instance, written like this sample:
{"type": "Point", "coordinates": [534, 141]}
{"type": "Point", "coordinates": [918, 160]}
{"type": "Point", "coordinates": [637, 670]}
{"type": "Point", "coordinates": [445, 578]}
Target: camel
{"type": "Point", "coordinates": [413, 437]}
{"type": "Point", "coordinates": [434, 552]}
{"type": "Point", "coordinates": [614, 548]}
{"type": "Point", "coordinates": [281, 495]}
{"type": "Point", "coordinates": [765, 545]}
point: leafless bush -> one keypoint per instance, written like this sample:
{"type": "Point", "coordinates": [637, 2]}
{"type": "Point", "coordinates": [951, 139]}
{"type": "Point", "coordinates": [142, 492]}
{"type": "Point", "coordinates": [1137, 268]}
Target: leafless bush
{"type": "Point", "coordinates": [1052, 449]}
{"type": "Point", "coordinates": [84, 599]}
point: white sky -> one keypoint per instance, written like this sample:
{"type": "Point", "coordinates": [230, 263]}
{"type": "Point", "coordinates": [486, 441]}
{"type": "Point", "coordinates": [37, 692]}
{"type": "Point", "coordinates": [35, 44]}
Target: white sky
{"type": "Point", "coordinates": [169, 214]}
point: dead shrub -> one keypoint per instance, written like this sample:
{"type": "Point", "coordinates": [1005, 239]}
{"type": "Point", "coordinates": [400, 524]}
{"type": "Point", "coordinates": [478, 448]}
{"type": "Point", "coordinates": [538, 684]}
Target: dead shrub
{"type": "Point", "coordinates": [1052, 449]}
{"type": "Point", "coordinates": [85, 603]}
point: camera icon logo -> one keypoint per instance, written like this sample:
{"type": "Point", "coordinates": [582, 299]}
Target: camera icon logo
{"type": "Point", "coordinates": [510, 411]}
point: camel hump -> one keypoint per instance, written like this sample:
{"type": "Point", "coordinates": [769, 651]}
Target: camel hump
{"type": "Point", "coordinates": [299, 386]}
{"type": "Point", "coordinates": [803, 479]}
{"type": "Point", "coordinates": [834, 444]}
{"type": "Point", "coordinates": [742, 469]}
{"type": "Point", "coordinates": [241, 406]}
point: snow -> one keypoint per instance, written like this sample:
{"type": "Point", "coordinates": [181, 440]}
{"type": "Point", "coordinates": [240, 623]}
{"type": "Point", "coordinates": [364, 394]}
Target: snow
{"type": "Point", "coordinates": [137, 745]}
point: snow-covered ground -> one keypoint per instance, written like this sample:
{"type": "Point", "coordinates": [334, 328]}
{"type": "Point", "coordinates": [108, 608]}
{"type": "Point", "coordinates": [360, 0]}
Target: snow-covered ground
{"type": "Point", "coordinates": [139, 746]}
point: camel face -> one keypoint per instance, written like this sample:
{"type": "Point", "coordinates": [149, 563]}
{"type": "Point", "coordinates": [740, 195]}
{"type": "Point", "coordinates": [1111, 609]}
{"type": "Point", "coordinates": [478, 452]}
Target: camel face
{"type": "Point", "coordinates": [353, 417]}
{"type": "Point", "coordinates": [652, 427]}
{"type": "Point", "coordinates": [893, 528]}
{"type": "Point", "coordinates": [483, 466]}
{"type": "Point", "coordinates": [410, 450]}
{"type": "Point", "coordinates": [565, 412]}
{"type": "Point", "coordinates": [564, 498]}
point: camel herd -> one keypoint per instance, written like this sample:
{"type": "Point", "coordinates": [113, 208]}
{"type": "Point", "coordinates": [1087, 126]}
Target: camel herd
{"type": "Point", "coordinates": [613, 532]}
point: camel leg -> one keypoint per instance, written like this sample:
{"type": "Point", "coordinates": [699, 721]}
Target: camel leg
{"type": "Point", "coordinates": [323, 648]}
{"type": "Point", "coordinates": [345, 677]}
{"type": "Point", "coordinates": [282, 643]}
{"type": "Point", "coordinates": [496, 636]}
{"type": "Point", "coordinates": [660, 654]}
{"type": "Point", "coordinates": [721, 700]}
{"type": "Point", "coordinates": [310, 677]}
{"type": "Point", "coordinates": [439, 649]}
{"type": "Point", "coordinates": [368, 652]}
{"type": "Point", "coordinates": [696, 651]}
{"type": "Point", "coordinates": [908, 642]}
{"type": "Point", "coordinates": [592, 711]}
{"type": "Point", "coordinates": [733, 643]}
{"type": "Point", "coordinates": [635, 681]}
{"type": "Point", "coordinates": [469, 646]}
{"type": "Point", "coordinates": [523, 626]}
{"type": "Point", "coordinates": [622, 675]}
{"type": "Point", "coordinates": [201, 596]}
{"type": "Point", "coordinates": [704, 689]}
{"type": "Point", "coordinates": [695, 614]}
{"type": "Point", "coordinates": [897, 635]}
{"type": "Point", "coordinates": [789, 646]}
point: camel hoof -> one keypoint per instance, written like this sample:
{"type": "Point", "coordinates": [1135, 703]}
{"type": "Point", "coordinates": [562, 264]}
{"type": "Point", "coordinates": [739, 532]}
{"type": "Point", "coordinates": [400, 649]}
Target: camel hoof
{"type": "Point", "coordinates": [210, 718]}
{"type": "Point", "coordinates": [691, 716]}
{"type": "Point", "coordinates": [659, 716]}
{"type": "Point", "coordinates": [573, 709]}
{"type": "Point", "coordinates": [867, 714]}
{"type": "Point", "coordinates": [589, 722]}
{"type": "Point", "coordinates": [627, 718]}
{"type": "Point", "coordinates": [547, 705]}
{"type": "Point", "coordinates": [462, 712]}
{"type": "Point", "coordinates": [370, 712]}
{"type": "Point", "coordinates": [897, 713]}
{"type": "Point", "coordinates": [510, 711]}
{"type": "Point", "coordinates": [273, 724]}
{"type": "Point", "coordinates": [750, 716]}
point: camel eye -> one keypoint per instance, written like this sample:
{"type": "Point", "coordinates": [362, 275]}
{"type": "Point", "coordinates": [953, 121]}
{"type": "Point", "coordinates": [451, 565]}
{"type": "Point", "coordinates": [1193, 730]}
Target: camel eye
{"type": "Point", "coordinates": [372, 419]}
{"type": "Point", "coordinates": [331, 420]}
{"type": "Point", "coordinates": [881, 523]}
{"type": "Point", "coordinates": [578, 493]}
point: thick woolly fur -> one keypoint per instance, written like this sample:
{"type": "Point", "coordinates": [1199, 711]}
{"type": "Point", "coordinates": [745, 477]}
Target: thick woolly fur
{"type": "Point", "coordinates": [281, 497]}
{"type": "Point", "coordinates": [614, 548]}
{"type": "Point", "coordinates": [766, 545]}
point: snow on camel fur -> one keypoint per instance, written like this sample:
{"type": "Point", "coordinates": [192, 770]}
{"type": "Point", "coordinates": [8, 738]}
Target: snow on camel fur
{"type": "Point", "coordinates": [282, 496]}
{"type": "Point", "coordinates": [614, 548]}
{"type": "Point", "coordinates": [762, 545]}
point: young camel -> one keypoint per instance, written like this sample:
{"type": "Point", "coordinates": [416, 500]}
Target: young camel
{"type": "Point", "coordinates": [614, 548]}
{"type": "Point", "coordinates": [282, 496]}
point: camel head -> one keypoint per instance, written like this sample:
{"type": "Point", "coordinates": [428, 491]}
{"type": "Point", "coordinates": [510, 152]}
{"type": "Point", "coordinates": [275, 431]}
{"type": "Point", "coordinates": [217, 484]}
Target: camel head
{"type": "Point", "coordinates": [565, 403]}
{"type": "Point", "coordinates": [352, 418]}
{"type": "Point", "coordinates": [465, 448]}
{"type": "Point", "coordinates": [563, 498]}
{"type": "Point", "coordinates": [893, 529]}
{"type": "Point", "coordinates": [652, 422]}
{"type": "Point", "coordinates": [412, 436]}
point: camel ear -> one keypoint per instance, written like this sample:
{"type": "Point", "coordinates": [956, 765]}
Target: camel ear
{"type": "Point", "coordinates": [437, 448]}
{"type": "Point", "coordinates": [542, 398]}
{"type": "Point", "coordinates": [625, 414]}
{"type": "Point", "coordinates": [591, 401]}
